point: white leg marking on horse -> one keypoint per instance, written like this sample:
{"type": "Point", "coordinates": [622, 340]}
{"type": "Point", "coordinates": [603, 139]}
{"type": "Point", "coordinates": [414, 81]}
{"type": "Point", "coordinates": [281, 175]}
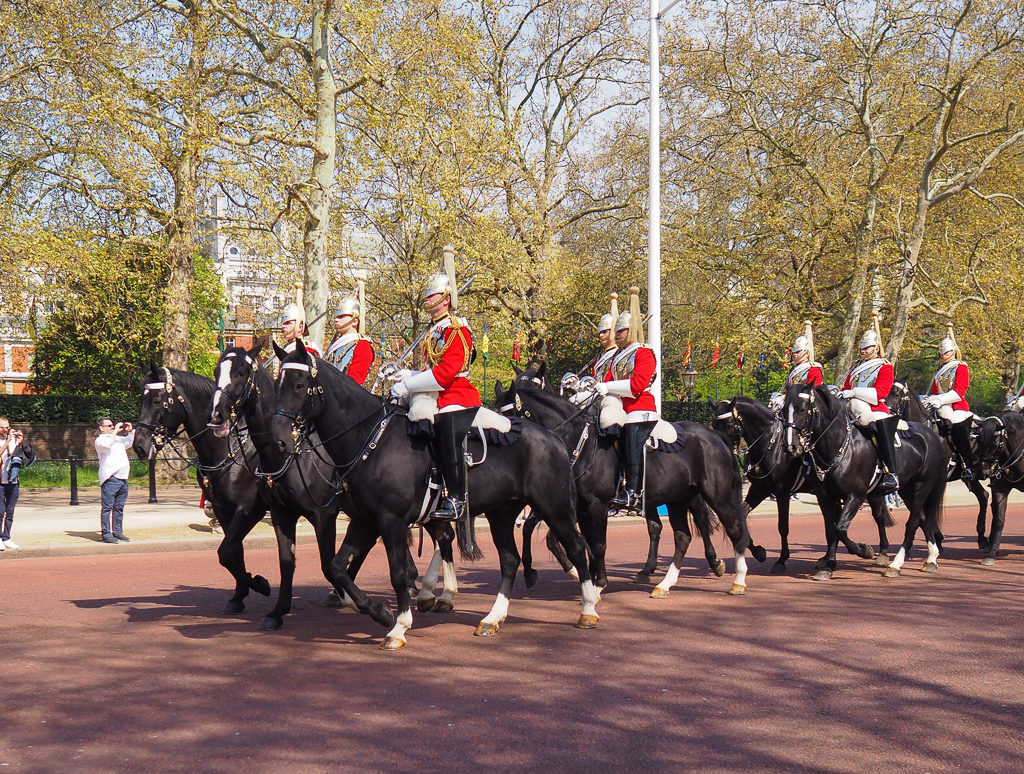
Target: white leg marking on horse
{"type": "Point", "coordinates": [741, 569]}
{"type": "Point", "coordinates": [498, 611]}
{"type": "Point", "coordinates": [899, 559]}
{"type": "Point", "coordinates": [347, 601]}
{"type": "Point", "coordinates": [670, 577]}
{"type": "Point", "coordinates": [575, 574]}
{"type": "Point", "coordinates": [429, 582]}
{"type": "Point", "coordinates": [933, 553]}
{"type": "Point", "coordinates": [402, 625]}
{"type": "Point", "coordinates": [588, 592]}
{"type": "Point", "coordinates": [451, 581]}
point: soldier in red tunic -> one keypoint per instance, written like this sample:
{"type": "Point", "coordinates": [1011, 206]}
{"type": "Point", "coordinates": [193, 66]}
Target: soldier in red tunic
{"type": "Point", "coordinates": [866, 386]}
{"type": "Point", "coordinates": [447, 352]}
{"type": "Point", "coordinates": [630, 377]}
{"type": "Point", "coordinates": [946, 396]}
{"type": "Point", "coordinates": [805, 370]}
{"type": "Point", "coordinates": [351, 352]}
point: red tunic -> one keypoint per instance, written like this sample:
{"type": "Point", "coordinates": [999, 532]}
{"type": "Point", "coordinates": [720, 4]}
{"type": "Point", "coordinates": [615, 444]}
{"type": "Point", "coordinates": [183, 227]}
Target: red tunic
{"type": "Point", "coordinates": [447, 352]}
{"type": "Point", "coordinates": [882, 384]}
{"type": "Point", "coordinates": [814, 376]}
{"type": "Point", "coordinates": [639, 368]}
{"type": "Point", "coordinates": [362, 359]}
{"type": "Point", "coordinates": [960, 381]}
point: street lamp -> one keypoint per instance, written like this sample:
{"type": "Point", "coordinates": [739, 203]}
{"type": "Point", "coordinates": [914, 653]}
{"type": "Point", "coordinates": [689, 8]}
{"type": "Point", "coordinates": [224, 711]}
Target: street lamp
{"type": "Point", "coordinates": [689, 375]}
{"type": "Point", "coordinates": [654, 200]}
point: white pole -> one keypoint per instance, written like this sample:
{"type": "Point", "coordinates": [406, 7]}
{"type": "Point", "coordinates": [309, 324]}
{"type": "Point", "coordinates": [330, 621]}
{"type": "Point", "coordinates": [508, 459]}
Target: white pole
{"type": "Point", "coordinates": [654, 209]}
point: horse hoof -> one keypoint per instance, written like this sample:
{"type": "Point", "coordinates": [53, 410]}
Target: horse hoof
{"type": "Point", "coordinates": [659, 593]}
{"type": "Point", "coordinates": [881, 560]}
{"type": "Point", "coordinates": [260, 585]}
{"type": "Point", "coordinates": [642, 577]}
{"type": "Point", "coordinates": [983, 544]}
{"type": "Point", "coordinates": [866, 551]}
{"type": "Point", "coordinates": [891, 572]}
{"type": "Point", "coordinates": [442, 606]}
{"type": "Point", "coordinates": [718, 568]}
{"type": "Point", "coordinates": [587, 622]}
{"type": "Point", "coordinates": [425, 604]}
{"type": "Point", "coordinates": [382, 614]}
{"type": "Point", "coordinates": [272, 623]}
{"type": "Point", "coordinates": [391, 643]}
{"type": "Point", "coordinates": [778, 568]}
{"type": "Point", "coordinates": [333, 599]}
{"type": "Point", "coordinates": [822, 575]}
{"type": "Point", "coordinates": [930, 567]}
{"type": "Point", "coordinates": [234, 608]}
{"type": "Point", "coordinates": [988, 561]}
{"type": "Point", "coordinates": [737, 590]}
{"type": "Point", "coordinates": [758, 552]}
{"type": "Point", "coordinates": [530, 576]}
{"type": "Point", "coordinates": [485, 629]}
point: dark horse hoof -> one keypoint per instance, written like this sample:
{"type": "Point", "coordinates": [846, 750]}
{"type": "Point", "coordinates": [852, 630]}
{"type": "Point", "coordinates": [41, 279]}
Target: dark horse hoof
{"type": "Point", "coordinates": [718, 568]}
{"type": "Point", "coordinates": [758, 552]}
{"type": "Point", "coordinates": [864, 551]}
{"type": "Point", "coordinates": [234, 608]}
{"type": "Point", "coordinates": [530, 576]}
{"type": "Point", "coordinates": [882, 560]}
{"type": "Point", "coordinates": [382, 614]}
{"type": "Point", "coordinates": [642, 577]}
{"type": "Point", "coordinates": [272, 623]}
{"type": "Point", "coordinates": [983, 543]}
{"type": "Point", "coordinates": [260, 585]}
{"type": "Point", "coordinates": [778, 568]}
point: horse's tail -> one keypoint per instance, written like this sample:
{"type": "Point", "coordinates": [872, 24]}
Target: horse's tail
{"type": "Point", "coordinates": [465, 533]}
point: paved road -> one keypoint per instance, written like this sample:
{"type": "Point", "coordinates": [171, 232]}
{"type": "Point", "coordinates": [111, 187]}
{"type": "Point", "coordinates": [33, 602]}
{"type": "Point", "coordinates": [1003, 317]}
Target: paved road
{"type": "Point", "coordinates": [121, 662]}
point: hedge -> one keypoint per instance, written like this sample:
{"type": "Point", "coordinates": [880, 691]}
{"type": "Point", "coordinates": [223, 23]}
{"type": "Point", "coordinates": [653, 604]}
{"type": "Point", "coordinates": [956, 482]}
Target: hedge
{"type": "Point", "coordinates": [66, 409]}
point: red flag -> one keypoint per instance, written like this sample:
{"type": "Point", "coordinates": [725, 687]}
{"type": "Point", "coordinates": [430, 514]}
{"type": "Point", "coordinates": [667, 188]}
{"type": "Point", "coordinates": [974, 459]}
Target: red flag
{"type": "Point", "coordinates": [714, 357]}
{"type": "Point", "coordinates": [686, 357]}
{"type": "Point", "coordinates": [516, 352]}
{"type": "Point", "coordinates": [739, 361]}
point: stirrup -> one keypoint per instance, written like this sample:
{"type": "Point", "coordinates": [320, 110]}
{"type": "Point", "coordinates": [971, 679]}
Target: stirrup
{"type": "Point", "coordinates": [889, 483]}
{"type": "Point", "coordinates": [448, 509]}
{"type": "Point", "coordinates": [967, 475]}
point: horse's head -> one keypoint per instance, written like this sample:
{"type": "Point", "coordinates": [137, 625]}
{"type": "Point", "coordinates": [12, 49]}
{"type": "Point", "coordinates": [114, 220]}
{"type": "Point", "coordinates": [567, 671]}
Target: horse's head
{"type": "Point", "coordinates": [727, 421]}
{"type": "Point", "coordinates": [996, 435]}
{"type": "Point", "coordinates": [299, 395]}
{"type": "Point", "coordinates": [236, 387]}
{"type": "Point", "coordinates": [527, 399]}
{"type": "Point", "coordinates": [804, 412]}
{"type": "Point", "coordinates": [898, 398]}
{"type": "Point", "coordinates": [536, 372]}
{"type": "Point", "coordinates": [163, 411]}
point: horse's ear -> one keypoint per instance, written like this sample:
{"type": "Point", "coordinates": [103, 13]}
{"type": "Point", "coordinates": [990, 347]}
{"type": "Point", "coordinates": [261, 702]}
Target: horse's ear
{"type": "Point", "coordinates": [499, 391]}
{"type": "Point", "coordinates": [542, 369]}
{"type": "Point", "coordinates": [516, 368]}
{"type": "Point", "coordinates": [281, 354]}
{"type": "Point", "coordinates": [152, 366]}
{"type": "Point", "coordinates": [254, 353]}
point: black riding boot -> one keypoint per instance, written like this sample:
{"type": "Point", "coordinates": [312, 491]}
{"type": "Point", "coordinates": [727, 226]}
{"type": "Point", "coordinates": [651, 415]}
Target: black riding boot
{"type": "Point", "coordinates": [960, 437]}
{"type": "Point", "coordinates": [449, 447]}
{"type": "Point", "coordinates": [885, 431]}
{"type": "Point", "coordinates": [636, 434]}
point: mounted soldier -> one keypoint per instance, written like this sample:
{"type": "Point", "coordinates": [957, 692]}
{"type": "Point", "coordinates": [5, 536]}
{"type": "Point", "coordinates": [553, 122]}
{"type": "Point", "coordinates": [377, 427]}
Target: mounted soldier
{"type": "Point", "coordinates": [351, 352]}
{"type": "Point", "coordinates": [447, 353]}
{"type": "Point", "coordinates": [630, 377]}
{"type": "Point", "coordinates": [805, 370]}
{"type": "Point", "coordinates": [947, 397]}
{"type": "Point", "coordinates": [866, 386]}
{"type": "Point", "coordinates": [1016, 402]}
{"type": "Point", "coordinates": [293, 323]}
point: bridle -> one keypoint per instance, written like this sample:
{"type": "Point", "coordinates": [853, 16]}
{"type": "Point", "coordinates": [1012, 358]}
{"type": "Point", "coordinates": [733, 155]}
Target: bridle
{"type": "Point", "coordinates": [804, 434]}
{"type": "Point", "coordinates": [999, 446]}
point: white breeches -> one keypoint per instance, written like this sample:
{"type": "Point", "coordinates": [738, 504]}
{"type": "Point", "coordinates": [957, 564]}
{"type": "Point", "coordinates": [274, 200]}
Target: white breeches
{"type": "Point", "coordinates": [862, 414]}
{"type": "Point", "coordinates": [953, 415]}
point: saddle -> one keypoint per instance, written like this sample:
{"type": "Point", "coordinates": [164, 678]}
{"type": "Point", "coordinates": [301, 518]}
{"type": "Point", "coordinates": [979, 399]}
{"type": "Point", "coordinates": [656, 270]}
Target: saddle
{"type": "Point", "coordinates": [665, 437]}
{"type": "Point", "coordinates": [490, 426]}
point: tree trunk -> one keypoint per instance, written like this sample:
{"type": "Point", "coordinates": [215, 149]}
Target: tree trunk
{"type": "Point", "coordinates": [314, 236]}
{"type": "Point", "coordinates": [905, 293]}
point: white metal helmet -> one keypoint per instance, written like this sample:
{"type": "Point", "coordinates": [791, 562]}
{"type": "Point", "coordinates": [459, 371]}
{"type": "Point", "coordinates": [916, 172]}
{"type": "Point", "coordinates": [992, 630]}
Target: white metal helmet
{"type": "Point", "coordinates": [801, 344]}
{"type": "Point", "coordinates": [606, 323]}
{"type": "Point", "coordinates": [623, 322]}
{"type": "Point", "coordinates": [349, 306]}
{"type": "Point", "coordinates": [292, 312]}
{"type": "Point", "coordinates": [947, 345]}
{"type": "Point", "coordinates": [439, 283]}
{"type": "Point", "coordinates": [869, 339]}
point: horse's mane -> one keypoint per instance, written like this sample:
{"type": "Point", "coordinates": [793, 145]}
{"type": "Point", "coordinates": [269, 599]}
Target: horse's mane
{"type": "Point", "coordinates": [191, 383]}
{"type": "Point", "coordinates": [547, 397]}
{"type": "Point", "coordinates": [329, 374]}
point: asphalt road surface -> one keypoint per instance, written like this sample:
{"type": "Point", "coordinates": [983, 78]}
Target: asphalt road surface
{"type": "Point", "coordinates": [123, 662]}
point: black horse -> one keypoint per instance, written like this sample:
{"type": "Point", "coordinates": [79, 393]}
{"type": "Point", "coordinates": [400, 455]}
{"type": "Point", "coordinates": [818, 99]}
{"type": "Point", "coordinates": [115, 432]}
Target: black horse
{"type": "Point", "coordinates": [173, 400]}
{"type": "Point", "coordinates": [906, 403]}
{"type": "Point", "coordinates": [702, 467]}
{"type": "Point", "coordinates": [845, 464]}
{"type": "Point", "coordinates": [703, 518]}
{"type": "Point", "coordinates": [772, 470]}
{"type": "Point", "coordinates": [1001, 460]}
{"type": "Point", "coordinates": [387, 475]}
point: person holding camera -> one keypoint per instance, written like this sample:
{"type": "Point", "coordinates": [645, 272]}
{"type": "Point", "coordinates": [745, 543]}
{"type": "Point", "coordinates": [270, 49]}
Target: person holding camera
{"type": "Point", "coordinates": [112, 446]}
{"type": "Point", "coordinates": [15, 453]}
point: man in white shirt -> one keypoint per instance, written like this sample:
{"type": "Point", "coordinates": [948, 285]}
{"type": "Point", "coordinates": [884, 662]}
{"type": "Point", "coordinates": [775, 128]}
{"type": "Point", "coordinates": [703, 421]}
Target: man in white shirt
{"type": "Point", "coordinates": [112, 449]}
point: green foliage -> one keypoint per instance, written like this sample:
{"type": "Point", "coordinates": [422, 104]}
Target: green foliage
{"type": "Point", "coordinates": [107, 321]}
{"type": "Point", "coordinates": [57, 474]}
{"type": "Point", "coordinates": [67, 409]}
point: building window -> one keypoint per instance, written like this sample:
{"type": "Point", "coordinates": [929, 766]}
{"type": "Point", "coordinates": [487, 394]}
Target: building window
{"type": "Point", "coordinates": [229, 342]}
{"type": "Point", "coordinates": [233, 251]}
